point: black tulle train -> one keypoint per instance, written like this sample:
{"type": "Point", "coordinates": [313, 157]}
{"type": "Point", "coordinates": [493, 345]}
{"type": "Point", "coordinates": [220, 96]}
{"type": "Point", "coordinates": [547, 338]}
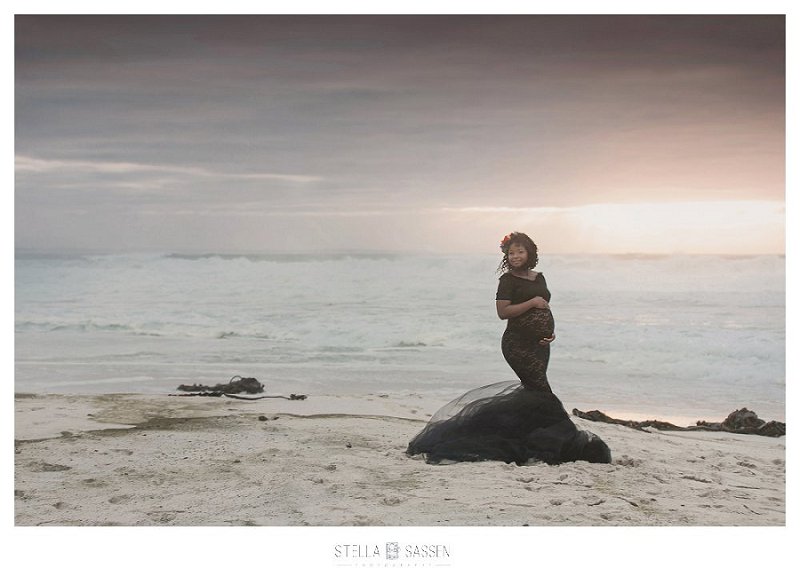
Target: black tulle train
{"type": "Point", "coordinates": [509, 422]}
{"type": "Point", "coordinates": [512, 421]}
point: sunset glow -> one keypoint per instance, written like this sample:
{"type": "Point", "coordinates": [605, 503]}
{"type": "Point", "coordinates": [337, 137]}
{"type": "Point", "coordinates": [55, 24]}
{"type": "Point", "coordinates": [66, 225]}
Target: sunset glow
{"type": "Point", "coordinates": [743, 227]}
{"type": "Point", "coordinates": [628, 133]}
{"type": "Point", "coordinates": [750, 227]}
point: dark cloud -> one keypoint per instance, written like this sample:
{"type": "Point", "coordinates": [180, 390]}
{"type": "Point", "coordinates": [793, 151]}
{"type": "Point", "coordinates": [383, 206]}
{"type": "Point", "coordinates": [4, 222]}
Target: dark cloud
{"type": "Point", "coordinates": [423, 111]}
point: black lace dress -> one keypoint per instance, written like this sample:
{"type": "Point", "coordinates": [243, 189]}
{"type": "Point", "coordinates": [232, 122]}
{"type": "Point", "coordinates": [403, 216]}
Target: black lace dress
{"type": "Point", "coordinates": [512, 421]}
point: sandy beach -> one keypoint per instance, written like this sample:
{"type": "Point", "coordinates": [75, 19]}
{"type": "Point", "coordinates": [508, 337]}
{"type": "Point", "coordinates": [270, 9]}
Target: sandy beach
{"type": "Point", "coordinates": [147, 460]}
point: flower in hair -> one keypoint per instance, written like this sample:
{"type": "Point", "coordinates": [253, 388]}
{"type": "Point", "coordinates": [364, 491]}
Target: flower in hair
{"type": "Point", "coordinates": [503, 243]}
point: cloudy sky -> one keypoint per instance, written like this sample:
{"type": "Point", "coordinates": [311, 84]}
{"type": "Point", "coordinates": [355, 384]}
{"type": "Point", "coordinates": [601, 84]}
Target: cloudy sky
{"type": "Point", "coordinates": [442, 133]}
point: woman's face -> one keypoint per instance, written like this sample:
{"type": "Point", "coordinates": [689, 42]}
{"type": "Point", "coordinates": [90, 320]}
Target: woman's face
{"type": "Point", "coordinates": [517, 256]}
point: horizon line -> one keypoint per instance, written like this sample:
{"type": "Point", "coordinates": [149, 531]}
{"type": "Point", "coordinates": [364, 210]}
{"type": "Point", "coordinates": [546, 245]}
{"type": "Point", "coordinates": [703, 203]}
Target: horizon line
{"type": "Point", "coordinates": [22, 252]}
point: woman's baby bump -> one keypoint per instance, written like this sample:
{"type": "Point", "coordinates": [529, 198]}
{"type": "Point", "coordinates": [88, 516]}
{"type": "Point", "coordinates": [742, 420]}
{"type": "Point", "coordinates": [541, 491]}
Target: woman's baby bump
{"type": "Point", "coordinates": [537, 323]}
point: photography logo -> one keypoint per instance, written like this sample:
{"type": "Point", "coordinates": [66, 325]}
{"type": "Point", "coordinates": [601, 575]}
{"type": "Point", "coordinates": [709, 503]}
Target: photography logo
{"type": "Point", "coordinates": [392, 554]}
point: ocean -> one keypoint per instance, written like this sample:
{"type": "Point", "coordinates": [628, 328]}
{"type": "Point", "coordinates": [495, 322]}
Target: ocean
{"type": "Point", "coordinates": [678, 337]}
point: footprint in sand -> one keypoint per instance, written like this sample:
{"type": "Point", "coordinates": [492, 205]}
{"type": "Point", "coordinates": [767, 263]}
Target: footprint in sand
{"type": "Point", "coordinates": [47, 467]}
{"type": "Point", "coordinates": [360, 521]}
{"type": "Point", "coordinates": [626, 460]}
{"type": "Point", "coordinates": [165, 517]}
{"type": "Point", "coordinates": [696, 478]}
{"type": "Point", "coordinates": [93, 482]}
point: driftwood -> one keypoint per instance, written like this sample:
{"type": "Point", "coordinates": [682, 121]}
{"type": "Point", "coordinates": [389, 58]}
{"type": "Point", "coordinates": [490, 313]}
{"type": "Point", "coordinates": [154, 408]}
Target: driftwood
{"type": "Point", "coordinates": [289, 397]}
{"type": "Point", "coordinates": [597, 416]}
{"type": "Point", "coordinates": [742, 421]}
{"type": "Point", "coordinates": [232, 389]}
{"type": "Point", "coordinates": [240, 386]}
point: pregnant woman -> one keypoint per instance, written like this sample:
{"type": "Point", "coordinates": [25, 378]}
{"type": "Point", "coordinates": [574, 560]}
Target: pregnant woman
{"type": "Point", "coordinates": [524, 300]}
{"type": "Point", "coordinates": [513, 421]}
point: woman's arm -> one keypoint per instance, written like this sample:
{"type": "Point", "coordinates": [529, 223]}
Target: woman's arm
{"type": "Point", "coordinates": [506, 310]}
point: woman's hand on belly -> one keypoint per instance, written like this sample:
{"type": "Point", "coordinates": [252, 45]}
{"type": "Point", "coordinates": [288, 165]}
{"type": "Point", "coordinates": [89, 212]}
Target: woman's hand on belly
{"type": "Point", "coordinates": [546, 341]}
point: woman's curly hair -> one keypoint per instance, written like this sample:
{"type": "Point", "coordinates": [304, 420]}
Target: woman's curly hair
{"type": "Point", "coordinates": [523, 240]}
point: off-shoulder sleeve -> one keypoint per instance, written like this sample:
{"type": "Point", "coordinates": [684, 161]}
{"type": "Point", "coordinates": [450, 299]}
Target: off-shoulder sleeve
{"type": "Point", "coordinates": [504, 288]}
